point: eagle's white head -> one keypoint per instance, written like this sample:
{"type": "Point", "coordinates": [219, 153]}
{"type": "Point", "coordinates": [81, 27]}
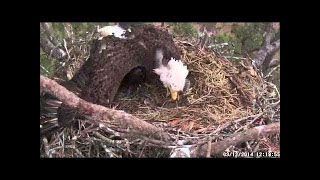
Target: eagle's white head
{"type": "Point", "coordinates": [173, 75]}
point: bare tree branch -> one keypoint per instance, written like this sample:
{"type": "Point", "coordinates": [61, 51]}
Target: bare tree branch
{"type": "Point", "coordinates": [268, 33]}
{"type": "Point", "coordinates": [49, 32]}
{"type": "Point", "coordinates": [49, 48]}
{"type": "Point", "coordinates": [203, 40]}
{"type": "Point", "coordinates": [252, 134]}
{"type": "Point", "coordinates": [274, 46]}
{"type": "Point", "coordinates": [272, 50]}
{"type": "Point", "coordinates": [105, 117]}
{"type": "Point", "coordinates": [69, 30]}
{"type": "Point", "coordinates": [266, 49]}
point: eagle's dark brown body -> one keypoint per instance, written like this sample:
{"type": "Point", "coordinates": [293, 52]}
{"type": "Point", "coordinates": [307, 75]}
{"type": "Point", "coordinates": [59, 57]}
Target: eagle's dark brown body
{"type": "Point", "coordinates": [100, 77]}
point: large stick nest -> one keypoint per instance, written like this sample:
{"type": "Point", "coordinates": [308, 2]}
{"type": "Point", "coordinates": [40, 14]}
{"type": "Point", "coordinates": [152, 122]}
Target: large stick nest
{"type": "Point", "coordinates": [224, 98]}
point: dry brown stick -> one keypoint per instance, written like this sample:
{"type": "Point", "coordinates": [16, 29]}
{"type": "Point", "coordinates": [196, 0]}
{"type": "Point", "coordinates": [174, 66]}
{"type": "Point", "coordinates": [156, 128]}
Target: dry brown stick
{"type": "Point", "coordinates": [219, 129]}
{"type": "Point", "coordinates": [142, 150]}
{"type": "Point", "coordinates": [45, 146]}
{"type": "Point", "coordinates": [110, 142]}
{"type": "Point", "coordinates": [109, 117]}
{"type": "Point", "coordinates": [245, 126]}
{"type": "Point", "coordinates": [209, 148]}
{"type": "Point", "coordinates": [252, 134]}
{"type": "Point", "coordinates": [271, 71]}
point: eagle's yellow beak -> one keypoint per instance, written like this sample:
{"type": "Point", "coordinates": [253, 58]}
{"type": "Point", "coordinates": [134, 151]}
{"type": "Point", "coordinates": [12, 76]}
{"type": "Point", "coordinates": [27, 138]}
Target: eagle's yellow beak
{"type": "Point", "coordinates": [174, 94]}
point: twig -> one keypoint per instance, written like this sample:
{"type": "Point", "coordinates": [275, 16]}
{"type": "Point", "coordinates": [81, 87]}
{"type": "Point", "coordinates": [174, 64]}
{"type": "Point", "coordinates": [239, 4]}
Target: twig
{"type": "Point", "coordinates": [209, 148]}
{"type": "Point", "coordinates": [69, 30]}
{"type": "Point", "coordinates": [235, 121]}
{"type": "Point", "coordinates": [269, 74]}
{"type": "Point", "coordinates": [65, 47]}
{"type": "Point", "coordinates": [275, 87]}
{"type": "Point", "coordinates": [53, 150]}
{"type": "Point", "coordinates": [144, 146]}
{"type": "Point", "coordinates": [251, 134]}
{"type": "Point", "coordinates": [252, 116]}
{"type": "Point", "coordinates": [110, 153]}
{"type": "Point", "coordinates": [256, 147]}
{"type": "Point", "coordinates": [248, 146]}
{"type": "Point", "coordinates": [259, 115]}
{"type": "Point", "coordinates": [107, 140]}
{"type": "Point", "coordinates": [201, 97]}
{"type": "Point", "coordinates": [44, 69]}
{"type": "Point", "coordinates": [62, 142]}
{"type": "Point", "coordinates": [46, 146]}
{"type": "Point", "coordinates": [233, 57]}
{"type": "Point", "coordinates": [186, 43]}
{"type": "Point", "coordinates": [77, 151]}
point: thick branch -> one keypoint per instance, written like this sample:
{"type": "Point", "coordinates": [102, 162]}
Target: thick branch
{"type": "Point", "coordinates": [267, 48]}
{"type": "Point", "coordinates": [112, 118]}
{"type": "Point", "coordinates": [203, 40]}
{"type": "Point", "coordinates": [273, 47]}
{"type": "Point", "coordinates": [49, 48]}
{"type": "Point", "coordinates": [271, 53]}
{"type": "Point", "coordinates": [252, 134]}
{"type": "Point", "coordinates": [49, 33]}
{"type": "Point", "coordinates": [268, 33]}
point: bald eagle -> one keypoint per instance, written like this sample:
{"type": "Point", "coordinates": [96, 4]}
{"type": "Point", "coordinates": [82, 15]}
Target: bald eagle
{"type": "Point", "coordinates": [173, 75]}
